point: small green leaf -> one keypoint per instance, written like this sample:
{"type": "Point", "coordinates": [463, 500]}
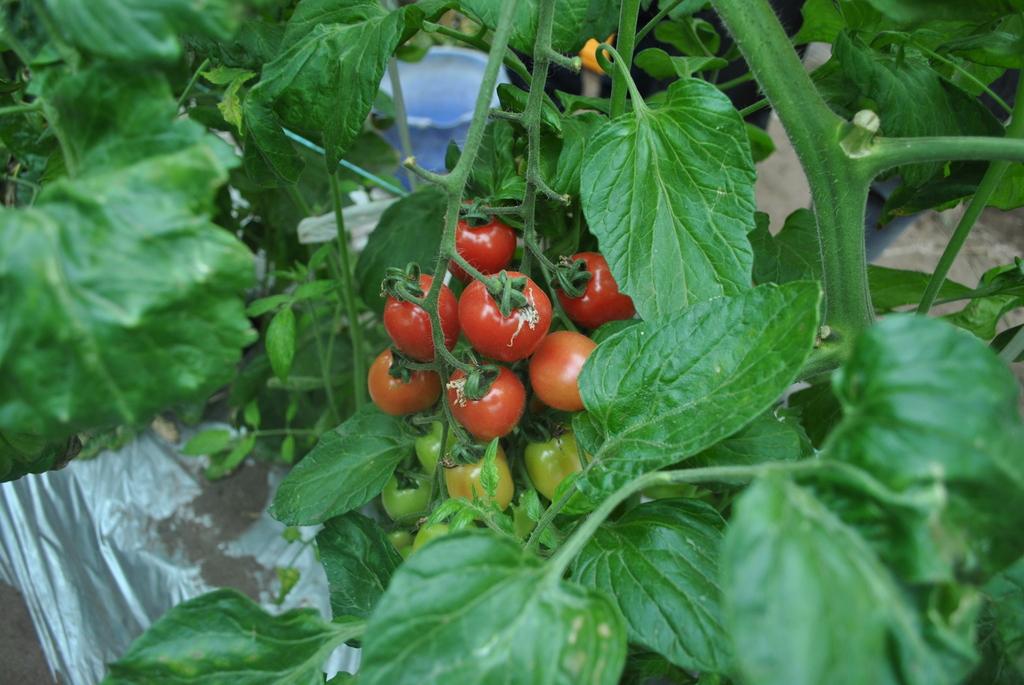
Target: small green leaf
{"type": "Point", "coordinates": [669, 193]}
{"type": "Point", "coordinates": [288, 449]}
{"type": "Point", "coordinates": [661, 65]}
{"type": "Point", "coordinates": [657, 394]}
{"type": "Point", "coordinates": [209, 441]}
{"type": "Point", "coordinates": [348, 467]}
{"type": "Point", "coordinates": [359, 562]}
{"type": "Point", "coordinates": [313, 289]}
{"type": "Point", "coordinates": [288, 578]}
{"type": "Point", "coordinates": [766, 438]}
{"type": "Point", "coordinates": [223, 465]}
{"type": "Point", "coordinates": [201, 640]}
{"type": "Point", "coordinates": [660, 562]}
{"type": "Point", "coordinates": [472, 607]}
{"type": "Point", "coordinates": [280, 342]}
{"type": "Point", "coordinates": [266, 304]}
{"type": "Point", "coordinates": [251, 414]}
{"type": "Point", "coordinates": [792, 254]}
{"type": "Point", "coordinates": [892, 288]}
{"type": "Point", "coordinates": [489, 470]}
{"type": "Point", "coordinates": [808, 602]}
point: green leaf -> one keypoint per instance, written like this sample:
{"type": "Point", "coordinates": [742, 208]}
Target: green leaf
{"type": "Point", "coordinates": [819, 411]}
{"type": "Point", "coordinates": [792, 254]}
{"type": "Point", "coordinates": [270, 157]}
{"type": "Point", "coordinates": [824, 20]}
{"type": "Point", "coordinates": [280, 341]}
{"type": "Point", "coordinates": [223, 465]}
{"type": "Point", "coordinates": [1003, 624]}
{"type": "Point", "coordinates": [348, 467]}
{"type": "Point", "coordinates": [660, 562]}
{"type": "Point", "coordinates": [223, 632]}
{"type": "Point", "coordinates": [912, 12]}
{"type": "Point", "coordinates": [474, 608]}
{"type": "Point", "coordinates": [577, 132]}
{"type": "Point", "coordinates": [657, 394]}
{"type": "Point", "coordinates": [761, 144]}
{"type": "Point", "coordinates": [892, 288]}
{"type": "Point", "coordinates": [575, 22]}
{"type": "Point", "coordinates": [21, 454]}
{"type": "Point", "coordinates": [266, 304]}
{"type": "Point", "coordinates": [230, 104]}
{"type": "Point", "coordinates": [1003, 339]}
{"type": "Point", "coordinates": [136, 30]}
{"type": "Point", "coordinates": [118, 270]}
{"type": "Point", "coordinates": [489, 471]}
{"type": "Point", "coordinates": [359, 562]}
{"type": "Point", "coordinates": [766, 438]}
{"type": "Point", "coordinates": [925, 403]}
{"type": "Point", "coordinates": [408, 231]}
{"type": "Point", "coordinates": [807, 601]}
{"type": "Point", "coordinates": [661, 65]}
{"type": "Point", "coordinates": [493, 174]}
{"type": "Point", "coordinates": [690, 35]}
{"type": "Point", "coordinates": [209, 441]}
{"type": "Point", "coordinates": [669, 193]}
{"type": "Point", "coordinates": [1000, 290]}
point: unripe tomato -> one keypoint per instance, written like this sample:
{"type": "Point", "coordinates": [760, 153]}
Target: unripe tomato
{"type": "Point", "coordinates": [601, 302]}
{"type": "Point", "coordinates": [555, 369]}
{"type": "Point", "coordinates": [401, 503]}
{"type": "Point", "coordinates": [464, 481]}
{"type": "Point", "coordinates": [549, 463]}
{"type": "Point", "coordinates": [429, 532]}
{"type": "Point", "coordinates": [394, 397]}
{"type": "Point", "coordinates": [428, 447]}
{"type": "Point", "coordinates": [401, 540]}
{"type": "Point", "coordinates": [489, 248]}
{"type": "Point", "coordinates": [495, 414]}
{"type": "Point", "coordinates": [505, 338]}
{"type": "Point", "coordinates": [408, 324]}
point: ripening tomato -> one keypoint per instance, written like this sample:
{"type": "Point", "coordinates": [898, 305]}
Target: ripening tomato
{"type": "Point", "coordinates": [495, 414]}
{"type": "Point", "coordinates": [601, 302]}
{"type": "Point", "coordinates": [401, 503]}
{"type": "Point", "coordinates": [489, 248]}
{"type": "Point", "coordinates": [408, 324]}
{"type": "Point", "coordinates": [428, 532]}
{"type": "Point", "coordinates": [464, 481]}
{"type": "Point", "coordinates": [428, 446]}
{"type": "Point", "coordinates": [505, 338]}
{"type": "Point", "coordinates": [555, 369]}
{"type": "Point", "coordinates": [549, 463]}
{"type": "Point", "coordinates": [394, 397]}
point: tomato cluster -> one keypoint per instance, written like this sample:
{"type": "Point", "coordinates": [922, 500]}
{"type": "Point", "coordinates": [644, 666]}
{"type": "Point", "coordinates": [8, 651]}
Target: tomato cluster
{"type": "Point", "coordinates": [490, 401]}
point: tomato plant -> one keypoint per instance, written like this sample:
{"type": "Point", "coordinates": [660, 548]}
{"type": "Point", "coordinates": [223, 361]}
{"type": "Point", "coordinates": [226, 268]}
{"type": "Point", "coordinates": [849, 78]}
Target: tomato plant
{"type": "Point", "coordinates": [397, 396]}
{"type": "Point", "coordinates": [790, 479]}
{"type": "Point", "coordinates": [505, 337]}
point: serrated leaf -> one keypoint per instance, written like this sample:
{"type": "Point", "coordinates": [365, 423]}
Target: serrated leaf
{"type": "Point", "coordinates": [661, 65]}
{"type": "Point", "coordinates": [359, 562]}
{"type": "Point", "coordinates": [892, 288]}
{"type": "Point", "coordinates": [808, 602]}
{"type": "Point", "coordinates": [792, 254]}
{"type": "Point", "coordinates": [660, 562]}
{"type": "Point", "coordinates": [669, 193]}
{"type": "Point", "coordinates": [574, 21]}
{"type": "Point", "coordinates": [348, 467]}
{"type": "Point", "coordinates": [280, 341]}
{"type": "Point", "coordinates": [223, 465]}
{"type": "Point", "coordinates": [766, 438]}
{"type": "Point", "coordinates": [474, 608]}
{"type": "Point", "coordinates": [657, 394]}
{"type": "Point", "coordinates": [925, 403]}
{"type": "Point", "coordinates": [201, 640]}
{"type": "Point", "coordinates": [489, 470]}
{"type": "Point", "coordinates": [209, 441]}
{"type": "Point", "coordinates": [408, 231]}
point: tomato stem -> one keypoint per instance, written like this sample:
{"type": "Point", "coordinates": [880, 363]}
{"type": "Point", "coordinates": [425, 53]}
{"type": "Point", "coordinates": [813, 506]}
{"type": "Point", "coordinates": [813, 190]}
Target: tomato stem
{"type": "Point", "coordinates": [626, 38]}
{"type": "Point", "coordinates": [662, 13]}
{"type": "Point", "coordinates": [401, 118]}
{"type": "Point", "coordinates": [348, 296]}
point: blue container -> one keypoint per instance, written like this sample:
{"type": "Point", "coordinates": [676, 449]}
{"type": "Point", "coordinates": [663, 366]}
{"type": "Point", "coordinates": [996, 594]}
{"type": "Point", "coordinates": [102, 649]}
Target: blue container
{"type": "Point", "coordinates": [440, 91]}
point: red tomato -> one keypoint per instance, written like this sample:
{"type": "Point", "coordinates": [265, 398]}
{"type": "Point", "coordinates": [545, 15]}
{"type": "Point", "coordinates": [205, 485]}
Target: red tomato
{"type": "Point", "coordinates": [510, 338]}
{"type": "Point", "coordinates": [393, 396]}
{"type": "Point", "coordinates": [601, 302]}
{"type": "Point", "coordinates": [489, 247]}
{"type": "Point", "coordinates": [408, 324]}
{"type": "Point", "coordinates": [555, 369]}
{"type": "Point", "coordinates": [493, 415]}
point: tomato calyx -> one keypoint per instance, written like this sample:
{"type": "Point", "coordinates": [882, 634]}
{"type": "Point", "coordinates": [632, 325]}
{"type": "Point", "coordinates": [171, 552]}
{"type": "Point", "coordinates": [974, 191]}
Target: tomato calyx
{"type": "Point", "coordinates": [507, 291]}
{"type": "Point", "coordinates": [572, 276]}
{"type": "Point", "coordinates": [403, 284]}
{"type": "Point", "coordinates": [474, 385]}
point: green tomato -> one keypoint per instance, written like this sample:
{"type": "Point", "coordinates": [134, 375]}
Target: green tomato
{"type": "Point", "coordinates": [428, 447]}
{"type": "Point", "coordinates": [429, 532]}
{"type": "Point", "coordinates": [403, 504]}
{"type": "Point", "coordinates": [402, 541]}
{"type": "Point", "coordinates": [549, 463]}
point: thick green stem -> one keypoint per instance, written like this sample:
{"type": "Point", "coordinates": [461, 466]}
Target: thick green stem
{"type": "Point", "coordinates": [401, 116]}
{"type": "Point", "coordinates": [888, 153]}
{"type": "Point", "coordinates": [348, 296]}
{"type": "Point", "coordinates": [839, 189]}
{"type": "Point", "coordinates": [626, 42]}
{"type": "Point", "coordinates": [989, 183]}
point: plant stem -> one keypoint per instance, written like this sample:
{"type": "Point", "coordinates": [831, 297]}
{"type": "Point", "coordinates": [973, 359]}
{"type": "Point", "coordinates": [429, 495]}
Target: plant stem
{"type": "Point", "coordinates": [988, 186]}
{"type": "Point", "coordinates": [662, 13]}
{"type": "Point", "coordinates": [26, 108]}
{"type": "Point", "coordinates": [1013, 348]}
{"type": "Point", "coordinates": [839, 189]}
{"type": "Point", "coordinates": [626, 40]}
{"type": "Point", "coordinates": [349, 298]}
{"type": "Point", "coordinates": [887, 153]}
{"type": "Point", "coordinates": [549, 516]}
{"type": "Point", "coordinates": [192, 82]}
{"type": "Point", "coordinates": [511, 60]}
{"type": "Point", "coordinates": [738, 81]}
{"type": "Point", "coordinates": [401, 116]}
{"type": "Point", "coordinates": [754, 108]}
